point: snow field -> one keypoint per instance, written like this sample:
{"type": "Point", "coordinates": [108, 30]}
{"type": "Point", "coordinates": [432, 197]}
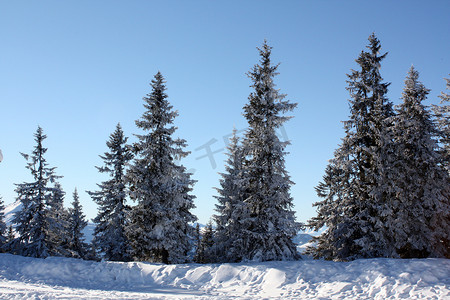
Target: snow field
{"type": "Point", "coordinates": [66, 278]}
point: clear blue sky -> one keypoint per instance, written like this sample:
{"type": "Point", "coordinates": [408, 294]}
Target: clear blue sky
{"type": "Point", "coordinates": [77, 68]}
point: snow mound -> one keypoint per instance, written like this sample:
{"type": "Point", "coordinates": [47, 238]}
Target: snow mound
{"type": "Point", "coordinates": [24, 277]}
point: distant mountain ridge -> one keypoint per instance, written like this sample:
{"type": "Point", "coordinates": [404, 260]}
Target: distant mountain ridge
{"type": "Point", "coordinates": [10, 210]}
{"type": "Point", "coordinates": [16, 206]}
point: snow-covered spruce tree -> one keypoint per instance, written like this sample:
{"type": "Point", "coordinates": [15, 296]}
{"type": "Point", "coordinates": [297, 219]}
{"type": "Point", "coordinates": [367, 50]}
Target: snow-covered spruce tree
{"type": "Point", "coordinates": [57, 220]}
{"type": "Point", "coordinates": [77, 222]}
{"type": "Point", "coordinates": [231, 208]}
{"type": "Point", "coordinates": [269, 225]}
{"type": "Point", "coordinates": [442, 114]}
{"type": "Point", "coordinates": [109, 234]}
{"type": "Point", "coordinates": [197, 241]}
{"type": "Point", "coordinates": [354, 187]}
{"type": "Point", "coordinates": [420, 223]}
{"type": "Point", "coordinates": [31, 222]}
{"type": "Point", "coordinates": [159, 229]}
{"type": "Point", "coordinates": [204, 252]}
{"type": "Point", "coordinates": [2, 225]}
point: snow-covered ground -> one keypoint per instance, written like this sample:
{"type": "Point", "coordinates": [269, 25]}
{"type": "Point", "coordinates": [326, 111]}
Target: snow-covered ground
{"type": "Point", "coordinates": [66, 278]}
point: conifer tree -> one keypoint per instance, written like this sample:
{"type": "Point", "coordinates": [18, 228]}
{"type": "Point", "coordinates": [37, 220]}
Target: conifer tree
{"type": "Point", "coordinates": [109, 234]}
{"type": "Point", "coordinates": [354, 187]}
{"type": "Point", "coordinates": [57, 220]}
{"type": "Point", "coordinates": [159, 229]}
{"type": "Point", "coordinates": [2, 224]}
{"type": "Point", "coordinates": [32, 224]}
{"type": "Point", "coordinates": [270, 225]}
{"type": "Point", "coordinates": [420, 221]}
{"type": "Point", "coordinates": [197, 240]}
{"type": "Point", "coordinates": [442, 114]}
{"type": "Point", "coordinates": [204, 252]}
{"type": "Point", "coordinates": [231, 206]}
{"type": "Point", "coordinates": [77, 222]}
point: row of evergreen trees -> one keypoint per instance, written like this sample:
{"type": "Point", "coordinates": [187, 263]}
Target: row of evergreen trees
{"type": "Point", "coordinates": [158, 228]}
{"type": "Point", "coordinates": [386, 192]}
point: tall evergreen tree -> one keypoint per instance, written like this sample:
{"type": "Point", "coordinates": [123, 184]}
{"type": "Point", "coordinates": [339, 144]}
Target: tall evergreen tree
{"type": "Point", "coordinates": [420, 221]}
{"type": "Point", "coordinates": [354, 187]}
{"type": "Point", "coordinates": [77, 246]}
{"type": "Point", "coordinates": [57, 220]}
{"type": "Point", "coordinates": [32, 224]}
{"type": "Point", "coordinates": [109, 234]}
{"type": "Point", "coordinates": [159, 228]}
{"type": "Point", "coordinates": [442, 114]}
{"type": "Point", "coordinates": [270, 224]}
{"type": "Point", "coordinates": [231, 208]}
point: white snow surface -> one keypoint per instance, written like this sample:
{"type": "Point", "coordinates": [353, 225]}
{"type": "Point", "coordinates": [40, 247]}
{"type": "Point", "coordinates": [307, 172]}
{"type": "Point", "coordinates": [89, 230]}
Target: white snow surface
{"type": "Point", "coordinates": [68, 278]}
{"type": "Point", "coordinates": [10, 210]}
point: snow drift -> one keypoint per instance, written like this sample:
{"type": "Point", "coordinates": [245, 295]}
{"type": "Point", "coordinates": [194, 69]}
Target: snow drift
{"type": "Point", "coordinates": [24, 277]}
